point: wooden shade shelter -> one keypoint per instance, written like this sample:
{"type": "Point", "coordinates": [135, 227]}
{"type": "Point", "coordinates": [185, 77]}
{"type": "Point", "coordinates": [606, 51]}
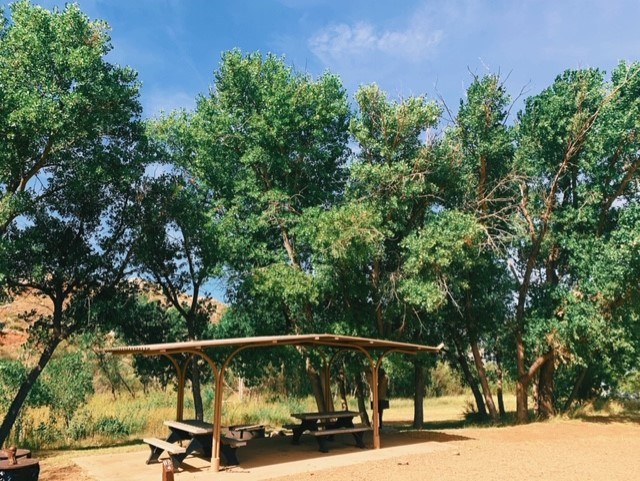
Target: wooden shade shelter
{"type": "Point", "coordinates": [373, 349]}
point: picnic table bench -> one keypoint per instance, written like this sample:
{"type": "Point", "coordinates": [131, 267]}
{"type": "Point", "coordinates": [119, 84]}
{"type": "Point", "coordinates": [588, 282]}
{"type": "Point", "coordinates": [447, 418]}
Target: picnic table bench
{"type": "Point", "coordinates": [323, 426]}
{"type": "Point", "coordinates": [199, 435]}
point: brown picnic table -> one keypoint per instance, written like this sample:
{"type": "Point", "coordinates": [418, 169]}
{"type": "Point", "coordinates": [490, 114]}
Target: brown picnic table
{"type": "Point", "coordinates": [323, 426]}
{"type": "Point", "coordinates": [199, 439]}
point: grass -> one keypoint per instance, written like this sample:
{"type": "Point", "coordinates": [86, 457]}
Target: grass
{"type": "Point", "coordinates": [110, 422]}
{"type": "Point", "coordinates": [607, 410]}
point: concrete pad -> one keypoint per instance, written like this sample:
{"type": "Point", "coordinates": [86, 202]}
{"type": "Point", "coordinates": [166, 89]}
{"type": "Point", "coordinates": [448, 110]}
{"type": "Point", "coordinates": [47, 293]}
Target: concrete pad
{"type": "Point", "coordinates": [267, 458]}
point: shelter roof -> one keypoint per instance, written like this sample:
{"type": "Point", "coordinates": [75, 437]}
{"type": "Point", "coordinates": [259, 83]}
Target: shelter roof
{"type": "Point", "coordinates": [333, 340]}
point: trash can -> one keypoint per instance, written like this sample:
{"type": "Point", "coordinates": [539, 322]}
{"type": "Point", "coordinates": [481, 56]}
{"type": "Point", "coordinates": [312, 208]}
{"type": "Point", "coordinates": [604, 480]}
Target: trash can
{"type": "Point", "coordinates": [15, 465]}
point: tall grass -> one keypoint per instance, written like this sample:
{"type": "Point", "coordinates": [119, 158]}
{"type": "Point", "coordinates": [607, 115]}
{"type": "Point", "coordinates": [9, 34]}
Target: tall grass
{"type": "Point", "coordinates": [108, 421]}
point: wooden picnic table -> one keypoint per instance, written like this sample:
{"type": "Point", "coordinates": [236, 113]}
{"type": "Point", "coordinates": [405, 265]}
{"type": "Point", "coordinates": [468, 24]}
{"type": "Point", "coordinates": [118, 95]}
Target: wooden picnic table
{"type": "Point", "coordinates": [323, 426]}
{"type": "Point", "coordinates": [197, 433]}
{"type": "Point", "coordinates": [199, 437]}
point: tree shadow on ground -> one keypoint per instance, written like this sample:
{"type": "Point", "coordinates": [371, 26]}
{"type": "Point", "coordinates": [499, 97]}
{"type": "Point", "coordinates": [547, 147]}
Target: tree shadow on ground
{"type": "Point", "coordinates": [629, 418]}
{"type": "Point", "coordinates": [608, 412]}
{"type": "Point", "coordinates": [429, 432]}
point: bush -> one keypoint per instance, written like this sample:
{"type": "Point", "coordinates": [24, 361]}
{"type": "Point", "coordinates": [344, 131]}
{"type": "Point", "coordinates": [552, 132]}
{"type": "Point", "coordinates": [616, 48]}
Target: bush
{"type": "Point", "coordinates": [68, 382]}
{"type": "Point", "coordinates": [81, 427]}
{"type": "Point", "coordinates": [444, 381]}
{"type": "Point", "coordinates": [112, 427]}
{"type": "Point", "coordinates": [629, 388]}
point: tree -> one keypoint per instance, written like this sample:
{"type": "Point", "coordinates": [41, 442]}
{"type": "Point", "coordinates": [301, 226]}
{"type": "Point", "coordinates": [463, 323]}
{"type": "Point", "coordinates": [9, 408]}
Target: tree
{"type": "Point", "coordinates": [578, 150]}
{"type": "Point", "coordinates": [72, 154]}
{"type": "Point", "coordinates": [473, 224]}
{"type": "Point", "coordinates": [453, 278]}
{"type": "Point", "coordinates": [176, 248]}
{"type": "Point", "coordinates": [268, 144]}
{"type": "Point", "coordinates": [391, 180]}
{"type": "Point", "coordinates": [392, 185]}
{"type": "Point", "coordinates": [272, 144]}
{"type": "Point", "coordinates": [62, 106]}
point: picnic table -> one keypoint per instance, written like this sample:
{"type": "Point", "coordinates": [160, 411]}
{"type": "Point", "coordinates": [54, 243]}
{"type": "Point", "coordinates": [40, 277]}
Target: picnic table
{"type": "Point", "coordinates": [199, 440]}
{"type": "Point", "coordinates": [323, 426]}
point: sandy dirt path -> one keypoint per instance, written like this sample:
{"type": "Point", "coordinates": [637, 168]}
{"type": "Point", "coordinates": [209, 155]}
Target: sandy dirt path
{"type": "Point", "coordinates": [599, 449]}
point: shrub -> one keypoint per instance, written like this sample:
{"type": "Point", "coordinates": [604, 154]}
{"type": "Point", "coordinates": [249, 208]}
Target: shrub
{"type": "Point", "coordinates": [444, 381]}
{"type": "Point", "coordinates": [112, 426]}
{"type": "Point", "coordinates": [81, 426]}
{"type": "Point", "coordinates": [68, 381]}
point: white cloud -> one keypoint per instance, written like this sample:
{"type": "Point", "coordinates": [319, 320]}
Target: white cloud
{"type": "Point", "coordinates": [343, 41]}
{"type": "Point", "coordinates": [161, 100]}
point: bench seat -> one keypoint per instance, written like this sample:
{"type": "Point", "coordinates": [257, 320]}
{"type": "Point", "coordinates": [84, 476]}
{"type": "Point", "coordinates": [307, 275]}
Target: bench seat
{"type": "Point", "coordinates": [244, 432]}
{"type": "Point", "coordinates": [176, 452]}
{"type": "Point", "coordinates": [233, 442]}
{"type": "Point", "coordinates": [331, 432]}
{"type": "Point", "coordinates": [323, 435]}
{"type": "Point", "coordinates": [165, 446]}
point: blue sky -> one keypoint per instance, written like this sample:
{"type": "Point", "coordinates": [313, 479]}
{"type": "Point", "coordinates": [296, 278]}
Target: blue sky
{"type": "Point", "coordinates": [408, 47]}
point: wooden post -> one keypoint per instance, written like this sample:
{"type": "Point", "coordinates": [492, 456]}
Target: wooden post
{"type": "Point", "coordinates": [375, 401]}
{"type": "Point", "coordinates": [11, 456]}
{"type": "Point", "coordinates": [167, 470]}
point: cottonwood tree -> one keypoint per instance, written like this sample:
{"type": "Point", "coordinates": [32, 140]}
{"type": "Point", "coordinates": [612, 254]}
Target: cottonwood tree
{"type": "Point", "coordinates": [268, 143]}
{"type": "Point", "coordinates": [176, 249]}
{"type": "Point", "coordinates": [458, 259]}
{"type": "Point", "coordinates": [357, 244]}
{"type": "Point", "coordinates": [62, 106]}
{"type": "Point", "coordinates": [578, 148]}
{"type": "Point", "coordinates": [69, 157]}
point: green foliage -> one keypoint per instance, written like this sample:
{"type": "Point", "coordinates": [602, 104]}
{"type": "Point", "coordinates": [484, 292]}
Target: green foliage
{"type": "Point", "coordinates": [389, 132]}
{"type": "Point", "coordinates": [578, 147]}
{"type": "Point", "coordinates": [444, 381]}
{"type": "Point", "coordinates": [66, 394]}
{"type": "Point", "coordinates": [112, 427]}
{"type": "Point", "coordinates": [12, 374]}
{"type": "Point", "coordinates": [63, 109]}
{"type": "Point", "coordinates": [73, 150]}
{"type": "Point", "coordinates": [444, 250]}
{"type": "Point", "coordinates": [268, 143]}
{"type": "Point", "coordinates": [631, 383]}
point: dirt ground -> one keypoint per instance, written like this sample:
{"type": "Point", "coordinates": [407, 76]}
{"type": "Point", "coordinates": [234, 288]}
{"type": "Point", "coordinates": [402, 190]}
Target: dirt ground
{"type": "Point", "coordinates": [606, 448]}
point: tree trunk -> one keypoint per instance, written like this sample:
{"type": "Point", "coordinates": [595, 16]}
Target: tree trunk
{"type": "Point", "coordinates": [25, 388]}
{"type": "Point", "coordinates": [325, 384]}
{"type": "Point", "coordinates": [576, 389]}
{"type": "Point", "coordinates": [342, 389]}
{"type": "Point", "coordinates": [361, 396]}
{"type": "Point", "coordinates": [522, 408]}
{"type": "Point", "coordinates": [420, 374]}
{"type": "Point", "coordinates": [316, 386]}
{"type": "Point", "coordinates": [197, 392]}
{"type": "Point", "coordinates": [499, 387]}
{"type": "Point", "coordinates": [534, 394]}
{"type": "Point", "coordinates": [482, 375]}
{"type": "Point", "coordinates": [472, 383]}
{"type": "Point", "coordinates": [546, 408]}
{"type": "Point", "coordinates": [377, 298]}
{"type": "Point", "coordinates": [522, 383]}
